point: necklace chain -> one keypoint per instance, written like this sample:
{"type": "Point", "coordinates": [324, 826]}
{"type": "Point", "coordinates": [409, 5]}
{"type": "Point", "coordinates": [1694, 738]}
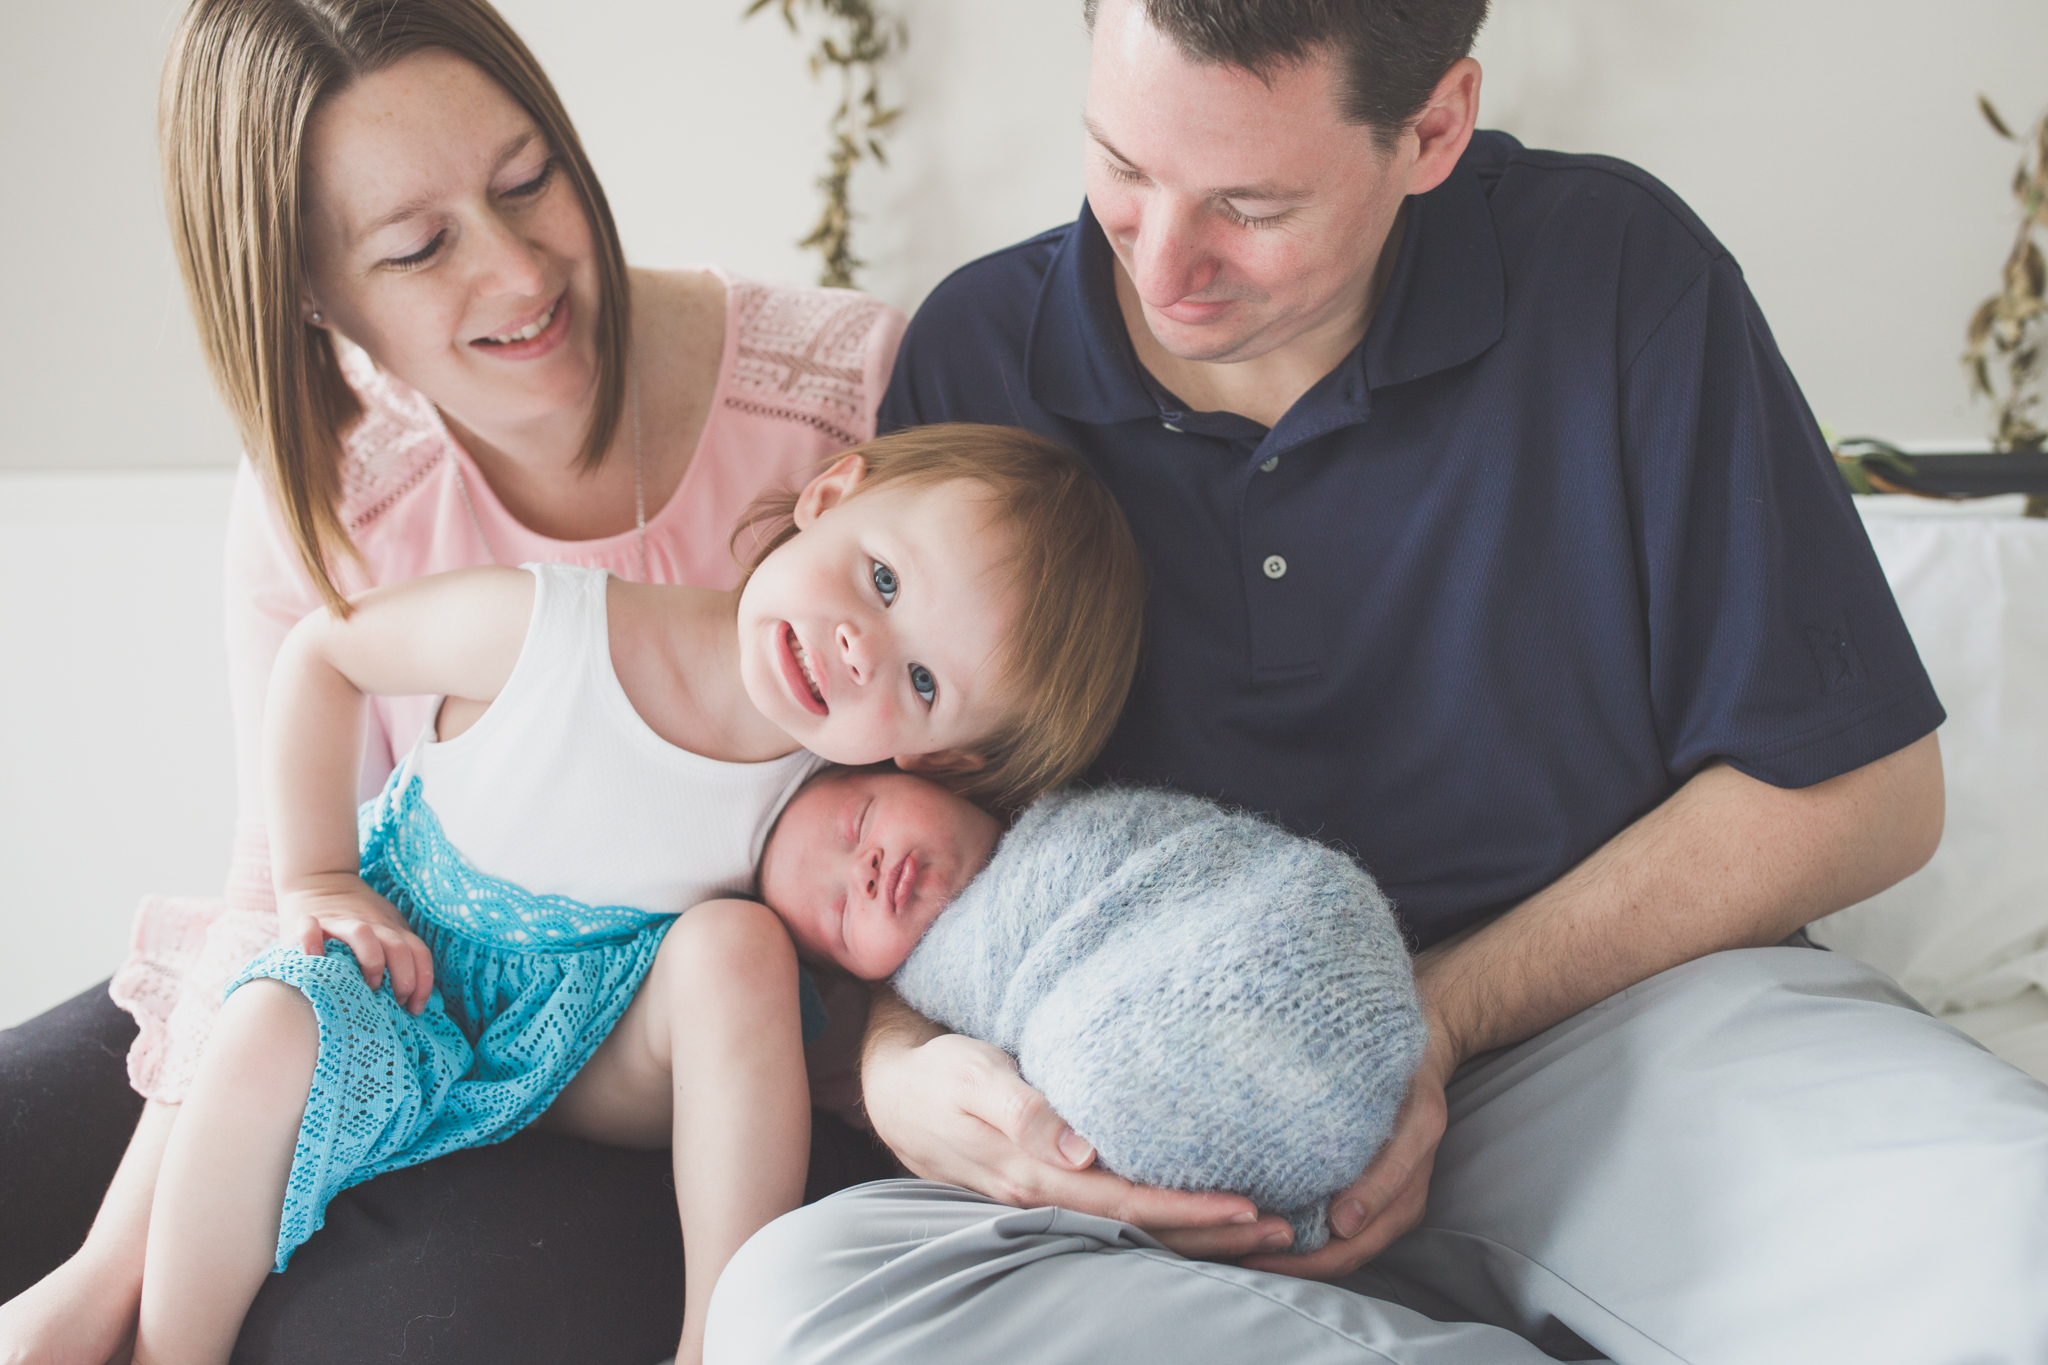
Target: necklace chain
{"type": "Point", "coordinates": [639, 493]}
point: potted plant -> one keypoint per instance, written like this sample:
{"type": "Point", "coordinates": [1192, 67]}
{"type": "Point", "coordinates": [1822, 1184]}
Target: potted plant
{"type": "Point", "coordinates": [2002, 359]}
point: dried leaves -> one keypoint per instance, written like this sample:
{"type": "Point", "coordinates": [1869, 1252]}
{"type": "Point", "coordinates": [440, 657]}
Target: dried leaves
{"type": "Point", "coordinates": [2010, 327]}
{"type": "Point", "coordinates": [858, 42]}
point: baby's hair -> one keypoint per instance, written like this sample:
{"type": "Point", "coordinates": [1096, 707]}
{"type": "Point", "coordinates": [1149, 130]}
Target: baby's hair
{"type": "Point", "coordinates": [1080, 581]}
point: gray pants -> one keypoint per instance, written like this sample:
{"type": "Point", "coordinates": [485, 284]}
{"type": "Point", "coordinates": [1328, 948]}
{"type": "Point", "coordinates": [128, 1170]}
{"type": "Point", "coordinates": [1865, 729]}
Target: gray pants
{"type": "Point", "coordinates": [1763, 1156]}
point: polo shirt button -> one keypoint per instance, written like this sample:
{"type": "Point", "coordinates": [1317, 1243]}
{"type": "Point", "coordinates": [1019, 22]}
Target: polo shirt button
{"type": "Point", "coordinates": [1275, 566]}
{"type": "Point", "coordinates": [1170, 427]}
{"type": "Point", "coordinates": [1268, 466]}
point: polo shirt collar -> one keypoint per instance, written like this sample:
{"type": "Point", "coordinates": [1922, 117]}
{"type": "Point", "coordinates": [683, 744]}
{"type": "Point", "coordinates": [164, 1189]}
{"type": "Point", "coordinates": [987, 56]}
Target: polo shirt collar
{"type": "Point", "coordinates": [1445, 304]}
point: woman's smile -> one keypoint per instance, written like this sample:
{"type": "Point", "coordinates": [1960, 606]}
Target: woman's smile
{"type": "Point", "coordinates": [534, 336]}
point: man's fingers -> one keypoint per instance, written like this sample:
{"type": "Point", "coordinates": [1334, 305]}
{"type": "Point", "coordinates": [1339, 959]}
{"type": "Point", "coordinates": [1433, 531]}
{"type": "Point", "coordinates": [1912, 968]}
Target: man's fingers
{"type": "Point", "coordinates": [1231, 1242]}
{"type": "Point", "coordinates": [1403, 1164]}
{"type": "Point", "coordinates": [1340, 1256]}
{"type": "Point", "coordinates": [1022, 1114]}
{"type": "Point", "coordinates": [1111, 1196]}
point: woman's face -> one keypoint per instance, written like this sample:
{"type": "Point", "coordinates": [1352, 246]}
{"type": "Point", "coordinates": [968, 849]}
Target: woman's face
{"type": "Point", "coordinates": [444, 239]}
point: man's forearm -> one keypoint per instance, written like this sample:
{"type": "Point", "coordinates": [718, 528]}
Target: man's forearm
{"type": "Point", "coordinates": [1726, 862]}
{"type": "Point", "coordinates": [893, 1026]}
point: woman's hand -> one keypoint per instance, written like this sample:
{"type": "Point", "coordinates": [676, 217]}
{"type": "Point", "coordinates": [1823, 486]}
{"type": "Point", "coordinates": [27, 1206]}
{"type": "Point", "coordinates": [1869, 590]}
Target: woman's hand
{"type": "Point", "coordinates": [1388, 1197]}
{"type": "Point", "coordinates": [954, 1109]}
{"type": "Point", "coordinates": [339, 905]}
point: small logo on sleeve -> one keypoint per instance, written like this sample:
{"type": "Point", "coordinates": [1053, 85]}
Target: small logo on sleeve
{"type": "Point", "coordinates": [1835, 653]}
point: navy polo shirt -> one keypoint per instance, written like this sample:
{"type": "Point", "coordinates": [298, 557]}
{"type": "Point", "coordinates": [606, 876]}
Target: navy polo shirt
{"type": "Point", "coordinates": [1559, 532]}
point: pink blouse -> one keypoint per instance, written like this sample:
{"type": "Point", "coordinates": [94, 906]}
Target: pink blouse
{"type": "Point", "coordinates": [799, 381]}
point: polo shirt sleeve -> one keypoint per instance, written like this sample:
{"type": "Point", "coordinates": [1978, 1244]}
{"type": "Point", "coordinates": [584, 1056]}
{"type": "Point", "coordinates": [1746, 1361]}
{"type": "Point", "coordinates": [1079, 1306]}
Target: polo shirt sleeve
{"type": "Point", "coordinates": [947, 325]}
{"type": "Point", "coordinates": [900, 406]}
{"type": "Point", "coordinates": [1774, 640]}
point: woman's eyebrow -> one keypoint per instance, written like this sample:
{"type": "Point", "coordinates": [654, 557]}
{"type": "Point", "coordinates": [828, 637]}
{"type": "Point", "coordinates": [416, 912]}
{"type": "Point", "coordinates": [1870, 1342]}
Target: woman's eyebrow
{"type": "Point", "coordinates": [409, 209]}
{"type": "Point", "coordinates": [514, 148]}
{"type": "Point", "coordinates": [412, 208]}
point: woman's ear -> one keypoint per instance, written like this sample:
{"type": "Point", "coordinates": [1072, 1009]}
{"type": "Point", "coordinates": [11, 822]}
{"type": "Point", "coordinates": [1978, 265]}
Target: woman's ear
{"type": "Point", "coordinates": [830, 488]}
{"type": "Point", "coordinates": [943, 763]}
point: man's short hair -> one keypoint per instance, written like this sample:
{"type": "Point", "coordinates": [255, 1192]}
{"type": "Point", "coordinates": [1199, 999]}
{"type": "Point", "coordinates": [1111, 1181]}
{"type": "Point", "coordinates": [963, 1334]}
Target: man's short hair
{"type": "Point", "coordinates": [1393, 52]}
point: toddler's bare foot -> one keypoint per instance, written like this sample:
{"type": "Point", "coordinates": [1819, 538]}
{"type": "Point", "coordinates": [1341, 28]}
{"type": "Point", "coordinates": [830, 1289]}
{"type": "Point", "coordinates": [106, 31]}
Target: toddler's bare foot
{"type": "Point", "coordinates": [66, 1319]}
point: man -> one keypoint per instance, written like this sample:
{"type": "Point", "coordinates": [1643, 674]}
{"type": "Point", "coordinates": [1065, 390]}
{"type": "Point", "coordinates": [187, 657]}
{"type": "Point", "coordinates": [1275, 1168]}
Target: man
{"type": "Point", "coordinates": [1490, 539]}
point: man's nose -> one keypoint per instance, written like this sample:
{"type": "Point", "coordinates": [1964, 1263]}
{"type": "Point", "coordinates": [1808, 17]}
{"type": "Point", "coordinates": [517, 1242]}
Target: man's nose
{"type": "Point", "coordinates": [1169, 259]}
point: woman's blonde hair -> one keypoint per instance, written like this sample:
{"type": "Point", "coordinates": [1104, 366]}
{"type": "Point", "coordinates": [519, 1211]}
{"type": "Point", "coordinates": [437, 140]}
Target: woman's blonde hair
{"type": "Point", "coordinates": [241, 83]}
{"type": "Point", "coordinates": [1080, 581]}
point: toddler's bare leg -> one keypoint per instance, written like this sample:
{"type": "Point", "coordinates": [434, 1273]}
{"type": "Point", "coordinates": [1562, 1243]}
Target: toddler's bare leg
{"type": "Point", "coordinates": [220, 1193]}
{"type": "Point", "coordinates": [710, 1057]}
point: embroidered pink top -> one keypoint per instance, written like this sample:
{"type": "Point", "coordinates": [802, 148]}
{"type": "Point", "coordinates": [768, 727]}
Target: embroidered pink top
{"type": "Point", "coordinates": [802, 372]}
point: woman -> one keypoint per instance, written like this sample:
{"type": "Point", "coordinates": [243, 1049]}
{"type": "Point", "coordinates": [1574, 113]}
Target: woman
{"type": "Point", "coordinates": [413, 300]}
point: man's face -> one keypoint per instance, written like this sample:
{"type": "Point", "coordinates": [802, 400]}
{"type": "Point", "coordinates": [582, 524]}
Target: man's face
{"type": "Point", "coordinates": [863, 861]}
{"type": "Point", "coordinates": [1246, 214]}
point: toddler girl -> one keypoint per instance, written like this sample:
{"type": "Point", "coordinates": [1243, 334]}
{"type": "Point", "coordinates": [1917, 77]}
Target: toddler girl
{"type": "Point", "coordinates": [496, 936]}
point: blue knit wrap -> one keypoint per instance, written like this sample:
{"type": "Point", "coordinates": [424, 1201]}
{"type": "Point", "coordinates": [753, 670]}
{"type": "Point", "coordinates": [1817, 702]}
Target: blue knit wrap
{"type": "Point", "coordinates": [1213, 1002]}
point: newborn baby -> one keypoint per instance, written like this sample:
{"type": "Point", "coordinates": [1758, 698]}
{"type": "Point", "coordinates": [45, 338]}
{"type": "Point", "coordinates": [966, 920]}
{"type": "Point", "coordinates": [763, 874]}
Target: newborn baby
{"type": "Point", "coordinates": [1212, 1002]}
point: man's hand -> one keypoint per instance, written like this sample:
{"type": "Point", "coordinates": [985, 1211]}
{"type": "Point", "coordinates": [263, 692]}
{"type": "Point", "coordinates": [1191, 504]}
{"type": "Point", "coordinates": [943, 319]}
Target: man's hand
{"type": "Point", "coordinates": [338, 905]}
{"type": "Point", "coordinates": [1387, 1199]}
{"type": "Point", "coordinates": [954, 1109]}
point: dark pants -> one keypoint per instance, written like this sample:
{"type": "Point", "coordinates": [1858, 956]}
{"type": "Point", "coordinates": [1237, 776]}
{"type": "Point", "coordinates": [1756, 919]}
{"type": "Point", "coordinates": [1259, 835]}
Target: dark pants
{"type": "Point", "coordinates": [543, 1248]}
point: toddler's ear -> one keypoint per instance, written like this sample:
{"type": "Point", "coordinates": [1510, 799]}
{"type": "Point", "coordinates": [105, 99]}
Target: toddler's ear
{"type": "Point", "coordinates": [830, 488]}
{"type": "Point", "coordinates": [944, 763]}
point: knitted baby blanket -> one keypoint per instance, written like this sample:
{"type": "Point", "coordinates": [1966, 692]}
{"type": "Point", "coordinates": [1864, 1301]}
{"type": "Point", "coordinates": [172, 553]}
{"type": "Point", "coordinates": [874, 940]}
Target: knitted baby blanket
{"type": "Point", "coordinates": [1213, 1002]}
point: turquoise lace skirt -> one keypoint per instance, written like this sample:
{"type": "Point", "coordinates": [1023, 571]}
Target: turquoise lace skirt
{"type": "Point", "coordinates": [525, 989]}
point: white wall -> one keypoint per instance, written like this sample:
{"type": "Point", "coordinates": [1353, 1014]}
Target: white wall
{"type": "Point", "coordinates": [118, 775]}
{"type": "Point", "coordinates": [1833, 147]}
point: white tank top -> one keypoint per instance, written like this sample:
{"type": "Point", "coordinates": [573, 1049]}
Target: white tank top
{"type": "Point", "coordinates": [561, 788]}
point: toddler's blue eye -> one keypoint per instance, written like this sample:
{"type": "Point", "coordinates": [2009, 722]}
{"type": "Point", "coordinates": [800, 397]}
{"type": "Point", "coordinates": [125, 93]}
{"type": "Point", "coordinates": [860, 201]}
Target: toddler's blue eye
{"type": "Point", "coordinates": [921, 679]}
{"type": "Point", "coordinates": [885, 581]}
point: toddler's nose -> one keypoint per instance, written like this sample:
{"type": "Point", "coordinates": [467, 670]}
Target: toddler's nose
{"type": "Point", "coordinates": [854, 652]}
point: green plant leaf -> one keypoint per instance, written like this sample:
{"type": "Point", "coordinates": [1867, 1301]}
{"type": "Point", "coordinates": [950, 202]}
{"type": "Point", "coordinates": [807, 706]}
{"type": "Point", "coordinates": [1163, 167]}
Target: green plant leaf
{"type": "Point", "coordinates": [1991, 117]}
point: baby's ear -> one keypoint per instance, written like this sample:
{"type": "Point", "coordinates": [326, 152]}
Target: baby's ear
{"type": "Point", "coordinates": [944, 763]}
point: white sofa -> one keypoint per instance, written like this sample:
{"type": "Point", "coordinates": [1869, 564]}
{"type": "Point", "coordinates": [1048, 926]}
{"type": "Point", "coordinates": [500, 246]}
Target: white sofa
{"type": "Point", "coordinates": [1968, 934]}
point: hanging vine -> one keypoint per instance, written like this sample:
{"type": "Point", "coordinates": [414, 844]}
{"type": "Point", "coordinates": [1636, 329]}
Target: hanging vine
{"type": "Point", "coordinates": [2011, 326]}
{"type": "Point", "coordinates": [856, 44]}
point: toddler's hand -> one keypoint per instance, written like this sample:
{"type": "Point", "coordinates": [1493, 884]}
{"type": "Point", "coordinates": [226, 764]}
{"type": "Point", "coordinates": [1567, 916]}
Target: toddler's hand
{"type": "Point", "coordinates": [338, 905]}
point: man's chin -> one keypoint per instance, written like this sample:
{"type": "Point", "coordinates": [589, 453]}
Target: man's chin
{"type": "Point", "coordinates": [1222, 342]}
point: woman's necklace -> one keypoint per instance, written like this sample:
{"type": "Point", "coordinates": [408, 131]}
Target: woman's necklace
{"type": "Point", "coordinates": [639, 494]}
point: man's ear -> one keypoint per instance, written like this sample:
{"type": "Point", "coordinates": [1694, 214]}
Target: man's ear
{"type": "Point", "coordinates": [944, 763]}
{"type": "Point", "coordinates": [1444, 128]}
{"type": "Point", "coordinates": [830, 488]}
